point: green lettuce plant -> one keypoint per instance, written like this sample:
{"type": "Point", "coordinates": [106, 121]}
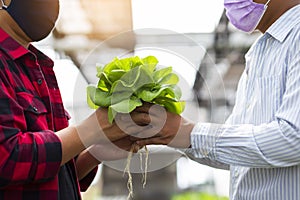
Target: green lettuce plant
{"type": "Point", "coordinates": [125, 84]}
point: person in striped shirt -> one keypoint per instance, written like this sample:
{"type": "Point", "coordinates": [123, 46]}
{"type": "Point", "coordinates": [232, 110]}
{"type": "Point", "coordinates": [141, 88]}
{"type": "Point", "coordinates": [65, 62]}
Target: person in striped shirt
{"type": "Point", "coordinates": [260, 141]}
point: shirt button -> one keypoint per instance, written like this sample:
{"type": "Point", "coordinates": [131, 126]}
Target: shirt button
{"type": "Point", "coordinates": [35, 109]}
{"type": "Point", "coordinates": [205, 153]}
{"type": "Point", "coordinates": [236, 174]}
{"type": "Point", "coordinates": [40, 81]}
{"type": "Point", "coordinates": [248, 105]}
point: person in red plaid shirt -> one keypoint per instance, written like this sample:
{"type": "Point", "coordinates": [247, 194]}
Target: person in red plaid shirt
{"type": "Point", "coordinates": [41, 157]}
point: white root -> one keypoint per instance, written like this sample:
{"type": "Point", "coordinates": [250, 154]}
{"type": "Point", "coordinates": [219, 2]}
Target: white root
{"type": "Point", "coordinates": [146, 167]}
{"type": "Point", "coordinates": [127, 170]}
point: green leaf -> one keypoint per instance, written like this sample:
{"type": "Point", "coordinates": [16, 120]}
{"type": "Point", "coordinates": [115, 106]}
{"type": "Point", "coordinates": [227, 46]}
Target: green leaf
{"type": "Point", "coordinates": [149, 95]}
{"type": "Point", "coordinates": [99, 70]}
{"type": "Point", "coordinates": [125, 106]}
{"type": "Point", "coordinates": [134, 79]}
{"type": "Point", "coordinates": [170, 79]}
{"type": "Point", "coordinates": [104, 83]}
{"type": "Point", "coordinates": [171, 105]}
{"type": "Point", "coordinates": [150, 62]}
{"type": "Point", "coordinates": [135, 62]}
{"type": "Point", "coordinates": [198, 196]}
{"type": "Point", "coordinates": [111, 66]}
{"type": "Point", "coordinates": [117, 97]}
{"type": "Point", "coordinates": [125, 64]}
{"type": "Point", "coordinates": [125, 83]}
{"type": "Point", "coordinates": [115, 75]}
{"type": "Point", "coordinates": [177, 92]}
{"type": "Point", "coordinates": [111, 114]}
{"type": "Point", "coordinates": [91, 104]}
{"type": "Point", "coordinates": [98, 97]}
{"type": "Point", "coordinates": [160, 74]}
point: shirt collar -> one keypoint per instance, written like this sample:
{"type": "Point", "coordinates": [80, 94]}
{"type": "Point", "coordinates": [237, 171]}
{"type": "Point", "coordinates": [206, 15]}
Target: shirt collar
{"type": "Point", "coordinates": [10, 46]}
{"type": "Point", "coordinates": [15, 50]}
{"type": "Point", "coordinates": [282, 27]}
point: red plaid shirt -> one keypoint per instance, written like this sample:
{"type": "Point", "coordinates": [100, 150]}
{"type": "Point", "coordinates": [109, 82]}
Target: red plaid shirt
{"type": "Point", "coordinates": [31, 110]}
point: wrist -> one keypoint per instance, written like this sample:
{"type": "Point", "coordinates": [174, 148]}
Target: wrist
{"type": "Point", "coordinates": [186, 130]}
{"type": "Point", "coordinates": [88, 156]}
{"type": "Point", "coordinates": [85, 162]}
{"type": "Point", "coordinates": [90, 132]}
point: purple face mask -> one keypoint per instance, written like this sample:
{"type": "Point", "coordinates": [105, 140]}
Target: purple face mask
{"type": "Point", "coordinates": [245, 15]}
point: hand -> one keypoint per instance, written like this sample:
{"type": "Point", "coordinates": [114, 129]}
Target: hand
{"type": "Point", "coordinates": [113, 151]}
{"type": "Point", "coordinates": [97, 129]}
{"type": "Point", "coordinates": [163, 127]}
{"type": "Point", "coordinates": [94, 155]}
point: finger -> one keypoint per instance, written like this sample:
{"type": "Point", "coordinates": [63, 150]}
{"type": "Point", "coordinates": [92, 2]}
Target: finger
{"type": "Point", "coordinates": [134, 139]}
{"type": "Point", "coordinates": [136, 118]}
{"type": "Point", "coordinates": [148, 107]}
{"type": "Point", "coordinates": [157, 115]}
{"type": "Point", "coordinates": [127, 144]}
{"type": "Point", "coordinates": [124, 142]}
{"type": "Point", "coordinates": [150, 141]}
{"type": "Point", "coordinates": [129, 127]}
{"type": "Point", "coordinates": [146, 133]}
{"type": "Point", "coordinates": [123, 117]}
{"type": "Point", "coordinates": [144, 108]}
{"type": "Point", "coordinates": [157, 111]}
{"type": "Point", "coordinates": [135, 129]}
{"type": "Point", "coordinates": [144, 119]}
{"type": "Point", "coordinates": [136, 148]}
{"type": "Point", "coordinates": [140, 118]}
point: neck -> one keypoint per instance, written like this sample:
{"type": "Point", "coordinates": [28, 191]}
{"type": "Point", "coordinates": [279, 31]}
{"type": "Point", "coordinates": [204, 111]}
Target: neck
{"type": "Point", "coordinates": [274, 12]}
{"type": "Point", "coordinates": [12, 28]}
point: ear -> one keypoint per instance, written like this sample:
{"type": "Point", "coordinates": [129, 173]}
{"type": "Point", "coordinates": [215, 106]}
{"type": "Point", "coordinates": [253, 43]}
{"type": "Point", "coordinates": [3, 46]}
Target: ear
{"type": "Point", "coordinates": [5, 3]}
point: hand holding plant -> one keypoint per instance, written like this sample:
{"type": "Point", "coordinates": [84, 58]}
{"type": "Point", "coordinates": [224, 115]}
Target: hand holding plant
{"type": "Point", "coordinates": [125, 84]}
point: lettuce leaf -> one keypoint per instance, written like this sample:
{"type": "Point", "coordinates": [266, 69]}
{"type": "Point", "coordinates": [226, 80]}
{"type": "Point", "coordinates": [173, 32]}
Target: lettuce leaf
{"type": "Point", "coordinates": [125, 84]}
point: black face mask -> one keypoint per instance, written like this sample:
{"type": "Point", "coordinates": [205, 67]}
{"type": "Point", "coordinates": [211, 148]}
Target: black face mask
{"type": "Point", "coordinates": [35, 17]}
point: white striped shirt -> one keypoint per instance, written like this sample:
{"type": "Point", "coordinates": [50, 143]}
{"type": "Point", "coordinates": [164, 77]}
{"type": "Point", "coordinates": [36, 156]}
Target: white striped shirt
{"type": "Point", "coordinates": [260, 141]}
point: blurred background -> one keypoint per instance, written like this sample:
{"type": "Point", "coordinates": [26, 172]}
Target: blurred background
{"type": "Point", "coordinates": [192, 36]}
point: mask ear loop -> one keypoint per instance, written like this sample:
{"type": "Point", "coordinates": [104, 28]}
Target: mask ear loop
{"type": "Point", "coordinates": [266, 5]}
{"type": "Point", "coordinates": [4, 7]}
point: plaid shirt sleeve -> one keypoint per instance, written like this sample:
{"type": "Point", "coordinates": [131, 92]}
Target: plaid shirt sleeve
{"type": "Point", "coordinates": [25, 155]}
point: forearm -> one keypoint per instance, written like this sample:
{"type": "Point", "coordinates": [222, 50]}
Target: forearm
{"type": "Point", "coordinates": [85, 163]}
{"type": "Point", "coordinates": [75, 139]}
{"type": "Point", "coordinates": [71, 143]}
{"type": "Point", "coordinates": [267, 145]}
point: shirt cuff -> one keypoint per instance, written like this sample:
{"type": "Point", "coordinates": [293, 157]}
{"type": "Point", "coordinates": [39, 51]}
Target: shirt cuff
{"type": "Point", "coordinates": [203, 140]}
{"type": "Point", "coordinates": [49, 155]}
